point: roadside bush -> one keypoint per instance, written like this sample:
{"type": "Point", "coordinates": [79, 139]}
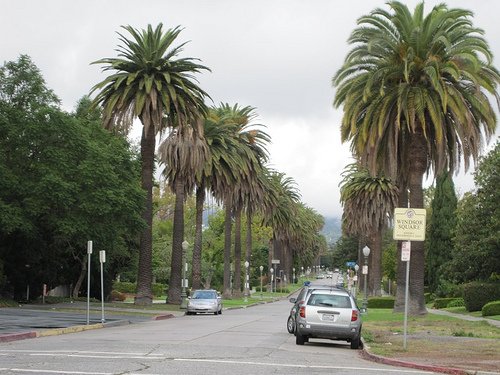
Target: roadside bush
{"type": "Point", "coordinates": [381, 302]}
{"type": "Point", "coordinates": [264, 288]}
{"type": "Point", "coordinates": [441, 303]}
{"type": "Point", "coordinates": [130, 288]}
{"type": "Point", "coordinates": [447, 289]}
{"type": "Point", "coordinates": [428, 297]}
{"type": "Point", "coordinates": [8, 303]}
{"type": "Point", "coordinates": [457, 302]}
{"type": "Point", "coordinates": [477, 294]}
{"type": "Point", "coordinates": [491, 308]}
{"type": "Point", "coordinates": [118, 296]}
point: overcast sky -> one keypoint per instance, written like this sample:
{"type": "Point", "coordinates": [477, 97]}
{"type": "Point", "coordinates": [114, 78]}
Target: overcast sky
{"type": "Point", "coordinates": [276, 56]}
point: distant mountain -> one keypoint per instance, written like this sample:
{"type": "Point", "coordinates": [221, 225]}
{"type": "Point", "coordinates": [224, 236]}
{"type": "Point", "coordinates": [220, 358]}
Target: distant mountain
{"type": "Point", "coordinates": [332, 229]}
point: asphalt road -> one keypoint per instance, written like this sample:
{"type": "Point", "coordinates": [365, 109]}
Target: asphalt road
{"type": "Point", "coordinates": [28, 318]}
{"type": "Point", "coordinates": [243, 341]}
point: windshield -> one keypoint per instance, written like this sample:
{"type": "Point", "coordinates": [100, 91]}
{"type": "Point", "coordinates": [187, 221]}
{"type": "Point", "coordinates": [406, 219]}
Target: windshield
{"type": "Point", "coordinates": [203, 294]}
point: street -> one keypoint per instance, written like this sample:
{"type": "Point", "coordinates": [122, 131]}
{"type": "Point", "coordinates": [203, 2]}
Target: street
{"type": "Point", "coordinates": [243, 341]}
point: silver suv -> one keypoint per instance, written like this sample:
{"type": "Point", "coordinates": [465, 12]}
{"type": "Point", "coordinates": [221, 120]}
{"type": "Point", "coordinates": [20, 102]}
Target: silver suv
{"type": "Point", "coordinates": [297, 302]}
{"type": "Point", "coordinates": [328, 314]}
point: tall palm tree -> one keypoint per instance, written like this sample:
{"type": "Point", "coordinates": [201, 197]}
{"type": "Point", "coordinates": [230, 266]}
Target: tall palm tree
{"type": "Point", "coordinates": [250, 154]}
{"type": "Point", "coordinates": [184, 153]}
{"type": "Point", "coordinates": [414, 91]}
{"type": "Point", "coordinates": [368, 203]}
{"type": "Point", "coordinates": [150, 82]}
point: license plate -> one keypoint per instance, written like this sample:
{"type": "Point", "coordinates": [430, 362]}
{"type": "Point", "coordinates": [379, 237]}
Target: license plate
{"type": "Point", "coordinates": [329, 317]}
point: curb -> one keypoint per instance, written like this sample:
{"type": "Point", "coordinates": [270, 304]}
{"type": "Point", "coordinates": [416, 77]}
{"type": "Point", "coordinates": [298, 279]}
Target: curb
{"type": "Point", "coordinates": [163, 317]}
{"type": "Point", "coordinates": [17, 336]}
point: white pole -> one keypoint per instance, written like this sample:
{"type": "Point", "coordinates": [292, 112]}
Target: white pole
{"type": "Point", "coordinates": [405, 322]}
{"type": "Point", "coordinates": [89, 252]}
{"type": "Point", "coordinates": [102, 259]}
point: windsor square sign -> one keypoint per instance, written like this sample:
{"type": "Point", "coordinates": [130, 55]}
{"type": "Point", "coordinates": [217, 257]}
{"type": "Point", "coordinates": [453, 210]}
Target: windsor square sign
{"type": "Point", "coordinates": [409, 224]}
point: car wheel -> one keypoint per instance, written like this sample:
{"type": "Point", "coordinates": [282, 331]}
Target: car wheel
{"type": "Point", "coordinates": [189, 313]}
{"type": "Point", "coordinates": [216, 313]}
{"type": "Point", "coordinates": [220, 311]}
{"type": "Point", "coordinates": [299, 339]}
{"type": "Point", "coordinates": [355, 342]}
{"type": "Point", "coordinates": [289, 325]}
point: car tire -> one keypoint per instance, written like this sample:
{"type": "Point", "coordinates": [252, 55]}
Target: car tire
{"type": "Point", "coordinates": [355, 342]}
{"type": "Point", "coordinates": [220, 311]}
{"type": "Point", "coordinates": [290, 326]}
{"type": "Point", "coordinates": [216, 313]}
{"type": "Point", "coordinates": [299, 339]}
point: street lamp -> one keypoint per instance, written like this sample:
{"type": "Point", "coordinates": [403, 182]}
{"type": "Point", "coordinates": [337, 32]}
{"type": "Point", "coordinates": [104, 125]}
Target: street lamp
{"type": "Point", "coordinates": [247, 286]}
{"type": "Point", "coordinates": [356, 282]}
{"type": "Point", "coordinates": [366, 253]}
{"type": "Point", "coordinates": [261, 268]}
{"type": "Point", "coordinates": [185, 246]}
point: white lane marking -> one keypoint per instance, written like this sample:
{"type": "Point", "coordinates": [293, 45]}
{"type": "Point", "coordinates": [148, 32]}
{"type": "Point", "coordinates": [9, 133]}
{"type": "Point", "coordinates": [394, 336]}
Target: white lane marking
{"type": "Point", "coordinates": [68, 351]}
{"type": "Point", "coordinates": [119, 355]}
{"type": "Point", "coordinates": [299, 366]}
{"type": "Point", "coordinates": [58, 371]}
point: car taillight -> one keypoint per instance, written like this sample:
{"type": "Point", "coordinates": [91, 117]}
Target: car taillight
{"type": "Point", "coordinates": [354, 315]}
{"type": "Point", "coordinates": [302, 311]}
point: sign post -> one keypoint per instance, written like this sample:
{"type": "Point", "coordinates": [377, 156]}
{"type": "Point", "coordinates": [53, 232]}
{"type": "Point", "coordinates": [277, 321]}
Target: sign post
{"type": "Point", "coordinates": [409, 225]}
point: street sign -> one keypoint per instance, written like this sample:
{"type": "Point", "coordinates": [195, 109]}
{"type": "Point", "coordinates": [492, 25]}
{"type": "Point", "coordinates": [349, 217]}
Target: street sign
{"type": "Point", "coordinates": [275, 261]}
{"type": "Point", "coordinates": [364, 270]}
{"type": "Point", "coordinates": [350, 264]}
{"type": "Point", "coordinates": [409, 224]}
{"type": "Point", "coordinates": [405, 251]}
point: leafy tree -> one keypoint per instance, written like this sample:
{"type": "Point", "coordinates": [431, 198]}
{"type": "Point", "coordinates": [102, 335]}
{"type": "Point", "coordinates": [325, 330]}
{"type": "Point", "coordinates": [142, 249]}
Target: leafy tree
{"type": "Point", "coordinates": [66, 181]}
{"type": "Point", "coordinates": [477, 236]}
{"type": "Point", "coordinates": [414, 91]}
{"type": "Point", "coordinates": [148, 81]}
{"type": "Point", "coordinates": [441, 228]}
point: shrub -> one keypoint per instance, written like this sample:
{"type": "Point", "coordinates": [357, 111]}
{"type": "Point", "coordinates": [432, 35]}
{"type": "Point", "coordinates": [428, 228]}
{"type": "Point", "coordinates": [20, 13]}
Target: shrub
{"type": "Point", "coordinates": [428, 297]}
{"type": "Point", "coordinates": [456, 302]}
{"type": "Point", "coordinates": [491, 308]}
{"type": "Point", "coordinates": [130, 288]}
{"type": "Point", "coordinates": [381, 302]}
{"type": "Point", "coordinates": [477, 294]}
{"type": "Point", "coordinates": [264, 288]}
{"type": "Point", "coordinates": [118, 296]}
{"type": "Point", "coordinates": [441, 303]}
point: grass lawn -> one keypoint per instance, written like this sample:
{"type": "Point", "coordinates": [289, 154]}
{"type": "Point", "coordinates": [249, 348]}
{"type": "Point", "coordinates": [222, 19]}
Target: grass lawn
{"type": "Point", "coordinates": [427, 335]}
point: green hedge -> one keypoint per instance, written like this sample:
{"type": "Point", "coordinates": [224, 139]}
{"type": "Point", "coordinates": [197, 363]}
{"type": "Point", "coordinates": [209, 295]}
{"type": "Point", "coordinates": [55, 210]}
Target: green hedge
{"type": "Point", "coordinates": [264, 288]}
{"type": "Point", "coordinates": [441, 303]}
{"type": "Point", "coordinates": [381, 302]}
{"type": "Point", "coordinates": [477, 294]}
{"type": "Point", "coordinates": [130, 288]}
{"type": "Point", "coordinates": [491, 308]}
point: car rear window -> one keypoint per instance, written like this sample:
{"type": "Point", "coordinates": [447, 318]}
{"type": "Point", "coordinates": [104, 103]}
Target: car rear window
{"type": "Point", "coordinates": [329, 300]}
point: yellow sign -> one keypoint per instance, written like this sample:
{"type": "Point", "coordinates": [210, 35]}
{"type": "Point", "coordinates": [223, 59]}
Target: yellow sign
{"type": "Point", "coordinates": [409, 224]}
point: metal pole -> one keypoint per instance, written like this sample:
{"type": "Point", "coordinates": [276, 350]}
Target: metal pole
{"type": "Point", "coordinates": [405, 323]}
{"type": "Point", "coordinates": [89, 252]}
{"type": "Point", "coordinates": [102, 259]}
{"type": "Point", "coordinates": [261, 281]}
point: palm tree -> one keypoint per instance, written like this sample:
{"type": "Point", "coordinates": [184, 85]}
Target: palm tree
{"type": "Point", "coordinates": [184, 153]}
{"type": "Point", "coordinates": [368, 203]}
{"type": "Point", "coordinates": [414, 91]}
{"type": "Point", "coordinates": [148, 81]}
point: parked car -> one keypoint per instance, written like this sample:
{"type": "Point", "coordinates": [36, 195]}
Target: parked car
{"type": "Point", "coordinates": [328, 314]}
{"type": "Point", "coordinates": [304, 292]}
{"type": "Point", "coordinates": [204, 301]}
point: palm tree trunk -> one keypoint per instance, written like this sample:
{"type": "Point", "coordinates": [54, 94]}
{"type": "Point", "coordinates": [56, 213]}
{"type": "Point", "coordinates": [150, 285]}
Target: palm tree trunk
{"type": "Point", "coordinates": [248, 242]}
{"type": "Point", "coordinates": [375, 269]}
{"type": "Point", "coordinates": [144, 293]}
{"type": "Point", "coordinates": [417, 165]}
{"type": "Point", "coordinates": [227, 250]}
{"type": "Point", "coordinates": [174, 285]}
{"type": "Point", "coordinates": [196, 270]}
{"type": "Point", "coordinates": [237, 254]}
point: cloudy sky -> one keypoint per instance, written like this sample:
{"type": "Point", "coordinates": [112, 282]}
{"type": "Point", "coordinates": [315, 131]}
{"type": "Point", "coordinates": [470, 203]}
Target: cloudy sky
{"type": "Point", "coordinates": [276, 56]}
